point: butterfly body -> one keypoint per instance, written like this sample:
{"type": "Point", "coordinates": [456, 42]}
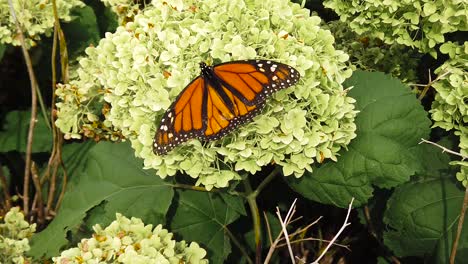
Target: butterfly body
{"type": "Point", "coordinates": [223, 97]}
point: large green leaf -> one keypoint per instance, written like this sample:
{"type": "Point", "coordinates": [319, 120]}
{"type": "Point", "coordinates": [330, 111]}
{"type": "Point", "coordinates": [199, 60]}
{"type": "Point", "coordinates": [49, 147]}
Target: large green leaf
{"type": "Point", "coordinates": [203, 217]}
{"type": "Point", "coordinates": [82, 31]}
{"type": "Point", "coordinates": [115, 178]}
{"type": "Point", "coordinates": [390, 124]}
{"type": "Point", "coordinates": [74, 157]}
{"type": "Point", "coordinates": [14, 135]}
{"type": "Point", "coordinates": [422, 218]}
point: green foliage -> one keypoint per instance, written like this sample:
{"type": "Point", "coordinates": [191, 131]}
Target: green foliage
{"type": "Point", "coordinates": [111, 176]}
{"type": "Point", "coordinates": [82, 31]}
{"type": "Point", "coordinates": [372, 54]}
{"type": "Point", "coordinates": [422, 217]}
{"type": "Point", "coordinates": [35, 18]}
{"type": "Point", "coordinates": [449, 109]}
{"type": "Point", "coordinates": [390, 124]}
{"type": "Point", "coordinates": [130, 241]}
{"type": "Point", "coordinates": [112, 180]}
{"type": "Point", "coordinates": [420, 24]}
{"type": "Point", "coordinates": [128, 81]}
{"type": "Point", "coordinates": [14, 133]}
{"type": "Point", "coordinates": [14, 237]}
{"type": "Point", "coordinates": [203, 217]}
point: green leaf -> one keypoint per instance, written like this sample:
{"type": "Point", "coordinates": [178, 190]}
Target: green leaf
{"type": "Point", "coordinates": [74, 157]}
{"type": "Point", "coordinates": [14, 134]}
{"type": "Point", "coordinates": [112, 176]}
{"type": "Point", "coordinates": [422, 218]}
{"type": "Point", "coordinates": [234, 203]}
{"type": "Point", "coordinates": [433, 161]}
{"type": "Point", "coordinates": [203, 217]}
{"type": "Point", "coordinates": [390, 125]}
{"type": "Point", "coordinates": [82, 31]}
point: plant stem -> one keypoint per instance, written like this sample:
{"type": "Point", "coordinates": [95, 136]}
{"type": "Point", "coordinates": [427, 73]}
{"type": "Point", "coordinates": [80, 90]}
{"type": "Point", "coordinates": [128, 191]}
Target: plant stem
{"type": "Point", "coordinates": [251, 200]}
{"type": "Point", "coordinates": [191, 187]}
{"type": "Point", "coordinates": [460, 227]}
{"type": "Point", "coordinates": [32, 120]}
{"type": "Point", "coordinates": [267, 180]}
{"type": "Point", "coordinates": [4, 184]}
{"type": "Point", "coordinates": [40, 203]}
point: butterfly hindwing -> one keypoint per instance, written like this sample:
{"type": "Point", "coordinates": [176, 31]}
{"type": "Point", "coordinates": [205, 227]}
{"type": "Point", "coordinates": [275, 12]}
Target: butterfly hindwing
{"type": "Point", "coordinates": [222, 116]}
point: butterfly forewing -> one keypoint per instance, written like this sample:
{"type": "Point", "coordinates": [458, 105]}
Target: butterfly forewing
{"type": "Point", "coordinates": [180, 122]}
{"type": "Point", "coordinates": [220, 99]}
{"type": "Point", "coordinates": [254, 80]}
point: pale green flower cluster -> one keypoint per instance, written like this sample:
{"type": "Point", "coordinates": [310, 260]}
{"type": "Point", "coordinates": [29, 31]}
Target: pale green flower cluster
{"type": "Point", "coordinates": [142, 67]}
{"type": "Point", "coordinates": [14, 237]}
{"type": "Point", "coordinates": [420, 23]}
{"type": "Point", "coordinates": [124, 9]}
{"type": "Point", "coordinates": [35, 17]}
{"type": "Point", "coordinates": [449, 109]}
{"type": "Point", "coordinates": [131, 241]}
{"type": "Point", "coordinates": [373, 55]}
{"type": "Point", "coordinates": [462, 175]}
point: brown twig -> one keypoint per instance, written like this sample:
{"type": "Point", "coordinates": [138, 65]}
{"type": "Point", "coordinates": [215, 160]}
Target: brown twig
{"type": "Point", "coordinates": [284, 224]}
{"type": "Point", "coordinates": [55, 160]}
{"type": "Point", "coordinates": [6, 194]}
{"type": "Point", "coordinates": [32, 121]}
{"type": "Point", "coordinates": [38, 196]}
{"type": "Point", "coordinates": [444, 149]}
{"type": "Point", "coordinates": [313, 239]}
{"type": "Point", "coordinates": [62, 192]}
{"type": "Point", "coordinates": [345, 224]}
{"type": "Point", "coordinates": [268, 228]}
{"type": "Point", "coordinates": [429, 84]}
{"type": "Point", "coordinates": [275, 244]}
{"type": "Point", "coordinates": [460, 227]}
{"type": "Point", "coordinates": [288, 220]}
{"type": "Point", "coordinates": [53, 182]}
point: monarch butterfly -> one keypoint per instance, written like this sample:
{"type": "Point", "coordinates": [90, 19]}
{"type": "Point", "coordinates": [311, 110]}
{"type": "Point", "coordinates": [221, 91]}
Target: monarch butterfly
{"type": "Point", "coordinates": [220, 99]}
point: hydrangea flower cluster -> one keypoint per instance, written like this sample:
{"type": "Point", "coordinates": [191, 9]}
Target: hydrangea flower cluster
{"type": "Point", "coordinates": [127, 82]}
{"type": "Point", "coordinates": [131, 241]}
{"type": "Point", "coordinates": [14, 237]}
{"type": "Point", "coordinates": [124, 9]}
{"type": "Point", "coordinates": [449, 109]}
{"type": "Point", "coordinates": [372, 54]}
{"type": "Point", "coordinates": [421, 23]}
{"type": "Point", "coordinates": [34, 16]}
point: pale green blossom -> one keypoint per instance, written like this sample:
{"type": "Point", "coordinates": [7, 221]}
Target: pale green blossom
{"type": "Point", "coordinates": [35, 18]}
{"type": "Point", "coordinates": [14, 237]}
{"type": "Point", "coordinates": [131, 241]}
{"type": "Point", "coordinates": [134, 74]}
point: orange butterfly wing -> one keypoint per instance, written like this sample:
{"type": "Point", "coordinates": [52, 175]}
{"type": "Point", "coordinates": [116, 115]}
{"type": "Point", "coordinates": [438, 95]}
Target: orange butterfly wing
{"type": "Point", "coordinates": [183, 120]}
{"type": "Point", "coordinates": [220, 99]}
